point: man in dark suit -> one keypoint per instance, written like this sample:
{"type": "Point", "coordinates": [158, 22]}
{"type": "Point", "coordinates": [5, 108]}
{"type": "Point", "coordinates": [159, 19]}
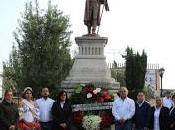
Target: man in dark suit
{"type": "Point", "coordinates": [8, 112]}
{"type": "Point", "coordinates": [140, 118]}
{"type": "Point", "coordinates": [172, 114]}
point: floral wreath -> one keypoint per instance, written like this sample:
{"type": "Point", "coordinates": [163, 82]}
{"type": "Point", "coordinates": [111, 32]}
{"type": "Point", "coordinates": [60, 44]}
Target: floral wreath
{"type": "Point", "coordinates": [85, 95]}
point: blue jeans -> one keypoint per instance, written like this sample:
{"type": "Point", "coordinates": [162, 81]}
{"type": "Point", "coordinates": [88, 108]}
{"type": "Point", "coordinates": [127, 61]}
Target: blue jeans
{"type": "Point", "coordinates": [125, 126]}
{"type": "Point", "coordinates": [46, 125]}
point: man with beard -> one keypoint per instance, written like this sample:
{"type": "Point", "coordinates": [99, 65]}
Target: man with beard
{"type": "Point", "coordinates": [45, 104]}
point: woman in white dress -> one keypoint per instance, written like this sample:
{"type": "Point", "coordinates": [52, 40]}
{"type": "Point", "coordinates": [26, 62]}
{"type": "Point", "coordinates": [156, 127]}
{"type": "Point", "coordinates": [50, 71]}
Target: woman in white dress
{"type": "Point", "coordinates": [28, 111]}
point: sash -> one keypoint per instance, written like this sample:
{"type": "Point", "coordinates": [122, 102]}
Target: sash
{"type": "Point", "coordinates": [27, 103]}
{"type": "Point", "coordinates": [31, 107]}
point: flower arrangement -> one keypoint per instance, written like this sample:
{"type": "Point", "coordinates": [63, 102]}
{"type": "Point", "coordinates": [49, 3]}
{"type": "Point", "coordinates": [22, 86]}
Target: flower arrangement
{"type": "Point", "coordinates": [91, 122]}
{"type": "Point", "coordinates": [78, 118]}
{"type": "Point", "coordinates": [92, 107]}
{"type": "Point", "coordinates": [106, 118]}
{"type": "Point", "coordinates": [89, 94]}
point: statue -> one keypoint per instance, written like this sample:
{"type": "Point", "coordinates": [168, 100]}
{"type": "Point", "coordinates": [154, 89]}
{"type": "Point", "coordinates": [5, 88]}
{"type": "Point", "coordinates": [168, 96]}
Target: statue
{"type": "Point", "coordinates": [92, 17]}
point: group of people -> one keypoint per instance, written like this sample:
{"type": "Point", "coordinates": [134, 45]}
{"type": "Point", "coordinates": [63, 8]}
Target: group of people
{"type": "Point", "coordinates": [140, 115]}
{"type": "Point", "coordinates": [47, 114]}
{"type": "Point", "coordinates": [41, 114]}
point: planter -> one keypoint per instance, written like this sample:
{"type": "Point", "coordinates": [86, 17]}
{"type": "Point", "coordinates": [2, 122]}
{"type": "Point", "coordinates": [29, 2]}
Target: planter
{"type": "Point", "coordinates": [92, 106]}
{"type": "Point", "coordinates": [112, 127]}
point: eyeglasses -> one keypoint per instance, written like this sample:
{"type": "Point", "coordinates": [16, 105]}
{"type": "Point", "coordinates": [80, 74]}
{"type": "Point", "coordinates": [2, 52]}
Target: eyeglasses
{"type": "Point", "coordinates": [9, 94]}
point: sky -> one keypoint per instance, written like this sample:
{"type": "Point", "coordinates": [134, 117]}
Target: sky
{"type": "Point", "coordinates": [140, 24]}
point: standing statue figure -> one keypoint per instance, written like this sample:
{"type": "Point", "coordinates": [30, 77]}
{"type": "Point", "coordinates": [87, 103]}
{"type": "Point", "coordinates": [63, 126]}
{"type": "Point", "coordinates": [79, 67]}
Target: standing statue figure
{"type": "Point", "coordinates": [92, 17]}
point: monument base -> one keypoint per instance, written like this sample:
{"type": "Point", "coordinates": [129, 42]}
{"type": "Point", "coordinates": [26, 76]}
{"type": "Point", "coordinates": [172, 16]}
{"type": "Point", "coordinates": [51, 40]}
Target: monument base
{"type": "Point", "coordinates": [90, 65]}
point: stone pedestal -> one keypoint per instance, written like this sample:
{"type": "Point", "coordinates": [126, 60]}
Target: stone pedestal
{"type": "Point", "coordinates": [90, 64]}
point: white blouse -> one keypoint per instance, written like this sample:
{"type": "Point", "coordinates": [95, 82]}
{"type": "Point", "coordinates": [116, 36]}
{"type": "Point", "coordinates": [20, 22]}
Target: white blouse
{"type": "Point", "coordinates": [28, 112]}
{"type": "Point", "coordinates": [156, 118]}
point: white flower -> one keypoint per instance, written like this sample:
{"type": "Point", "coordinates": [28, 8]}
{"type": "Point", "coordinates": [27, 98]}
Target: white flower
{"type": "Point", "coordinates": [91, 122]}
{"type": "Point", "coordinates": [95, 91]}
{"type": "Point", "coordinates": [89, 95]}
{"type": "Point", "coordinates": [98, 90]}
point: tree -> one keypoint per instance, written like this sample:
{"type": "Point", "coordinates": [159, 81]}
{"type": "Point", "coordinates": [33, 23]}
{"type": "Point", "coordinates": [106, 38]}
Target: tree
{"type": "Point", "coordinates": [136, 65]}
{"type": "Point", "coordinates": [118, 73]}
{"type": "Point", "coordinates": [43, 41]}
{"type": "Point", "coordinates": [11, 72]}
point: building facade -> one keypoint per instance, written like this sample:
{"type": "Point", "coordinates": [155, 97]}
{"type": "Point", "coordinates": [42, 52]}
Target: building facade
{"type": "Point", "coordinates": [152, 78]}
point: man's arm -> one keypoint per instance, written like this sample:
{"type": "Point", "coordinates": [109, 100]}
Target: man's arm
{"type": "Point", "coordinates": [106, 6]}
{"type": "Point", "coordinates": [105, 2]}
{"type": "Point", "coordinates": [4, 120]}
{"type": "Point", "coordinates": [132, 110]}
{"type": "Point", "coordinates": [114, 112]}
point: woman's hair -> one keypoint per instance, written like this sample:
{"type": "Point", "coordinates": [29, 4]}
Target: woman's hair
{"type": "Point", "coordinates": [173, 96]}
{"type": "Point", "coordinates": [24, 93]}
{"type": "Point", "coordinates": [60, 94]}
{"type": "Point", "coordinates": [158, 98]}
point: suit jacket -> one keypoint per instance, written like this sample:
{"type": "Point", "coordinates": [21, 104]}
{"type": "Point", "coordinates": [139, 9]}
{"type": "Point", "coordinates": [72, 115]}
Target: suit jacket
{"type": "Point", "coordinates": [172, 118]}
{"type": "Point", "coordinates": [140, 118]}
{"type": "Point", "coordinates": [163, 118]}
{"type": "Point", "coordinates": [61, 115]}
{"type": "Point", "coordinates": [8, 115]}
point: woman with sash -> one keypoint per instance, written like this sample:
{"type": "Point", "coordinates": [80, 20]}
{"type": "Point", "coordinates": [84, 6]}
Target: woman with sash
{"type": "Point", "coordinates": [29, 113]}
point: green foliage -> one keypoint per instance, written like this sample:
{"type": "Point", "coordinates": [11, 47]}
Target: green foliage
{"type": "Point", "coordinates": [136, 65]}
{"type": "Point", "coordinates": [11, 72]}
{"type": "Point", "coordinates": [148, 94]}
{"type": "Point", "coordinates": [118, 74]}
{"type": "Point", "coordinates": [42, 54]}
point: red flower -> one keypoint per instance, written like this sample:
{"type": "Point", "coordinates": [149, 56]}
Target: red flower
{"type": "Point", "coordinates": [107, 119]}
{"type": "Point", "coordinates": [88, 89]}
{"type": "Point", "coordinates": [108, 97]}
{"type": "Point", "coordinates": [78, 117]}
{"type": "Point", "coordinates": [105, 93]}
{"type": "Point", "coordinates": [100, 99]}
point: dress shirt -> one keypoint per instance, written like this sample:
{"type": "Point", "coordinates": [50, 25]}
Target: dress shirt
{"type": "Point", "coordinates": [45, 106]}
{"type": "Point", "coordinates": [123, 109]}
{"type": "Point", "coordinates": [167, 102]}
{"type": "Point", "coordinates": [140, 103]}
{"type": "Point", "coordinates": [156, 118]}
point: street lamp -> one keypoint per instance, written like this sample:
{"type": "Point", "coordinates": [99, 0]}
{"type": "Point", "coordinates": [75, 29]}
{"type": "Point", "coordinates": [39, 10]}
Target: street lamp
{"type": "Point", "coordinates": [161, 72]}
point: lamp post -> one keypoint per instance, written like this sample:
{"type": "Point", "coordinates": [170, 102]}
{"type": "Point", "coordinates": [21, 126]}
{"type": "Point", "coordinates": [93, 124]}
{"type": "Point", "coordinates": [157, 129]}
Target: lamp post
{"type": "Point", "coordinates": [161, 72]}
